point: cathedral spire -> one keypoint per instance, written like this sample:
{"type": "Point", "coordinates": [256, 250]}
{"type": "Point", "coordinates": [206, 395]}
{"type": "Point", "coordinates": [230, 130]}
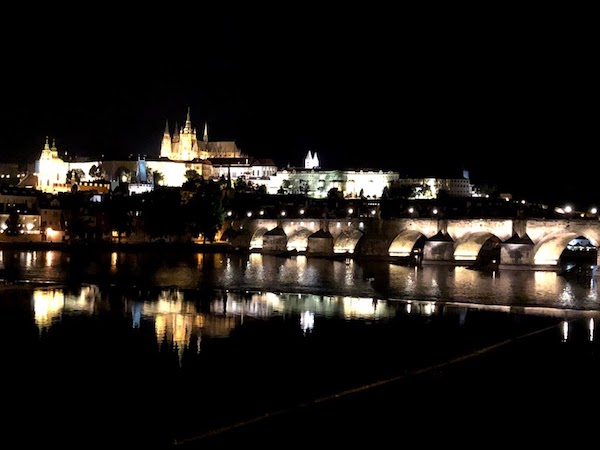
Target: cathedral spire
{"type": "Point", "coordinates": [47, 146]}
{"type": "Point", "coordinates": [167, 128]}
{"type": "Point", "coordinates": [205, 137]}
{"type": "Point", "coordinates": [188, 122]}
{"type": "Point", "coordinates": [53, 143]}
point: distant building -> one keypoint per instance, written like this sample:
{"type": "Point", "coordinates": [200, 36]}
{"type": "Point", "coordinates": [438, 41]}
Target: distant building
{"type": "Point", "coordinates": [315, 182]}
{"type": "Point", "coordinates": [182, 152]}
{"type": "Point", "coordinates": [431, 187]}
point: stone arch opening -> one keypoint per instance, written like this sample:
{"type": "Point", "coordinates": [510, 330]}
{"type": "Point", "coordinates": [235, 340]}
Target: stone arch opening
{"type": "Point", "coordinates": [256, 242]}
{"type": "Point", "coordinates": [299, 240]}
{"type": "Point", "coordinates": [479, 248]}
{"type": "Point", "coordinates": [408, 246]}
{"type": "Point", "coordinates": [579, 252]}
{"type": "Point", "coordinates": [347, 241]}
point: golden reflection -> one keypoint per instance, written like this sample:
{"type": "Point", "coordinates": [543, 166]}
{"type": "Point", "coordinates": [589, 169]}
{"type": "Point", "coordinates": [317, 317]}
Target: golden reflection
{"type": "Point", "coordinates": [429, 308]}
{"type": "Point", "coordinates": [177, 321]}
{"type": "Point", "coordinates": [85, 300]}
{"type": "Point", "coordinates": [300, 267]}
{"type": "Point", "coordinates": [565, 330]}
{"type": "Point", "coordinates": [307, 321]}
{"type": "Point", "coordinates": [178, 329]}
{"type": "Point", "coordinates": [591, 328]}
{"type": "Point", "coordinates": [47, 305]}
{"type": "Point", "coordinates": [114, 260]}
{"type": "Point", "coordinates": [357, 307]}
{"type": "Point", "coordinates": [50, 256]}
{"type": "Point", "coordinates": [419, 307]}
{"type": "Point", "coordinates": [29, 259]}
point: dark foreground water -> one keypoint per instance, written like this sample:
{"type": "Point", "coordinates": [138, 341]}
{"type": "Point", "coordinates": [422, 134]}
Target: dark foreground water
{"type": "Point", "coordinates": [156, 350]}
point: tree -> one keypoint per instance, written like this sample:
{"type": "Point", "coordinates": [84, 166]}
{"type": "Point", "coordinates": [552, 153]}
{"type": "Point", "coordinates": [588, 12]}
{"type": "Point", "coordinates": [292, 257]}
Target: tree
{"type": "Point", "coordinates": [97, 172]}
{"type": "Point", "coordinates": [192, 175]}
{"type": "Point", "coordinates": [240, 184]}
{"type": "Point", "coordinates": [118, 215]}
{"type": "Point", "coordinates": [157, 178]}
{"type": "Point", "coordinates": [204, 212]}
{"type": "Point", "coordinates": [163, 214]}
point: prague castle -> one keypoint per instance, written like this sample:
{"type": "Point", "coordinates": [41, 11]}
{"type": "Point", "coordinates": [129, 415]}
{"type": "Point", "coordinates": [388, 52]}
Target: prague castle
{"type": "Point", "coordinates": [182, 151]}
{"type": "Point", "coordinates": [185, 146]}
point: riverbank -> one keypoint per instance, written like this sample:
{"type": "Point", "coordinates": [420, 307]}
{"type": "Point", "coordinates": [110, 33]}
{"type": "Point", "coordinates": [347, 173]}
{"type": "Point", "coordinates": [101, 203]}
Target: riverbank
{"type": "Point", "coordinates": [215, 247]}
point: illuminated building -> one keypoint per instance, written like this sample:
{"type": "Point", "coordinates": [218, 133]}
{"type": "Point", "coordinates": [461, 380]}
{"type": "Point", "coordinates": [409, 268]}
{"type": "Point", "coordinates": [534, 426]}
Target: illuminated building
{"type": "Point", "coordinates": [182, 151]}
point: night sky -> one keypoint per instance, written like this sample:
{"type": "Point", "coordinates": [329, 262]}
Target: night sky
{"type": "Point", "coordinates": [509, 96]}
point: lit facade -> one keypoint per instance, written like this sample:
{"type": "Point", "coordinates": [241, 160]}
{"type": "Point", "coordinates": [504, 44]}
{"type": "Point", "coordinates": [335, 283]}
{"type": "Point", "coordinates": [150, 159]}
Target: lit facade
{"type": "Point", "coordinates": [317, 183]}
{"type": "Point", "coordinates": [183, 151]}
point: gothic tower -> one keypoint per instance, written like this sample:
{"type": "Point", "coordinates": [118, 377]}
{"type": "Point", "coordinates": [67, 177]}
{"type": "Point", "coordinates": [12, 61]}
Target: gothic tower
{"type": "Point", "coordinates": [165, 146]}
{"type": "Point", "coordinates": [187, 141]}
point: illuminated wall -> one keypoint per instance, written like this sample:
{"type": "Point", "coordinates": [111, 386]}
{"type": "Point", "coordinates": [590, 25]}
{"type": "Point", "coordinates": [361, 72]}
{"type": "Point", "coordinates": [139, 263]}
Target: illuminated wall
{"type": "Point", "coordinates": [317, 183]}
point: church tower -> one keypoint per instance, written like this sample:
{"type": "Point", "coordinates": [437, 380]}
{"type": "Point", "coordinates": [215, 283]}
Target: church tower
{"type": "Point", "coordinates": [308, 160]}
{"type": "Point", "coordinates": [311, 161]}
{"type": "Point", "coordinates": [187, 140]}
{"type": "Point", "coordinates": [49, 169]}
{"type": "Point", "coordinates": [165, 146]}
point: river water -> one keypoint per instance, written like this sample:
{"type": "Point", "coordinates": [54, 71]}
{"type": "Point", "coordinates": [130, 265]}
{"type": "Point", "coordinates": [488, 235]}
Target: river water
{"type": "Point", "coordinates": [149, 348]}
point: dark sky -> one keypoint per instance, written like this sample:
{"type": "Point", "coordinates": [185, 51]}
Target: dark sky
{"type": "Point", "coordinates": [510, 96]}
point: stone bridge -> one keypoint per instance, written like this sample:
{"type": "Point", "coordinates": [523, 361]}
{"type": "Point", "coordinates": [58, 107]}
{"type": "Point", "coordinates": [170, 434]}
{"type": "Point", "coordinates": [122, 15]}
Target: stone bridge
{"type": "Point", "coordinates": [520, 243]}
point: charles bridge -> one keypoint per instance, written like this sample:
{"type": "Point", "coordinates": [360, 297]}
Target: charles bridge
{"type": "Point", "coordinates": [522, 244]}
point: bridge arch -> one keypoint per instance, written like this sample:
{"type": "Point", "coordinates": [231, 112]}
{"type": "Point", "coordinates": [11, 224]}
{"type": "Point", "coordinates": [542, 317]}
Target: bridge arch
{"type": "Point", "coordinates": [298, 241]}
{"type": "Point", "coordinates": [256, 242]}
{"type": "Point", "coordinates": [549, 250]}
{"type": "Point", "coordinates": [476, 246]}
{"type": "Point", "coordinates": [347, 241]}
{"type": "Point", "coordinates": [404, 243]}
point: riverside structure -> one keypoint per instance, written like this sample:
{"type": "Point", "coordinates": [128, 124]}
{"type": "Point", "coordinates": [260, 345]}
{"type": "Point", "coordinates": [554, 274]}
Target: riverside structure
{"type": "Point", "coordinates": [522, 244]}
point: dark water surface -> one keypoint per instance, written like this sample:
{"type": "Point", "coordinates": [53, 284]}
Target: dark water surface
{"type": "Point", "coordinates": [145, 350]}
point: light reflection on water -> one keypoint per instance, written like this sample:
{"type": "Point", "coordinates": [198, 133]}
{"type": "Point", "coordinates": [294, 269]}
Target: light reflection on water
{"type": "Point", "coordinates": [178, 320]}
{"type": "Point", "coordinates": [257, 272]}
{"type": "Point", "coordinates": [243, 329]}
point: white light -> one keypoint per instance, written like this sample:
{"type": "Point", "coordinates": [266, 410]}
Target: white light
{"type": "Point", "coordinates": [249, 213]}
{"type": "Point", "coordinates": [568, 209]}
{"type": "Point", "coordinates": [435, 211]}
{"type": "Point", "coordinates": [350, 210]}
{"type": "Point", "coordinates": [283, 213]}
{"type": "Point", "coordinates": [29, 226]}
{"type": "Point", "coordinates": [229, 213]}
{"type": "Point", "coordinates": [594, 210]}
{"type": "Point", "coordinates": [301, 211]}
{"type": "Point", "coordinates": [411, 210]}
{"type": "Point", "coordinates": [261, 212]}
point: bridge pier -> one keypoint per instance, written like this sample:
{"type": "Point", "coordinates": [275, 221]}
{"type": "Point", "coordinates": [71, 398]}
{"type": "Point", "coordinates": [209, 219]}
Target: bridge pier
{"type": "Point", "coordinates": [438, 249]}
{"type": "Point", "coordinates": [516, 253]}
